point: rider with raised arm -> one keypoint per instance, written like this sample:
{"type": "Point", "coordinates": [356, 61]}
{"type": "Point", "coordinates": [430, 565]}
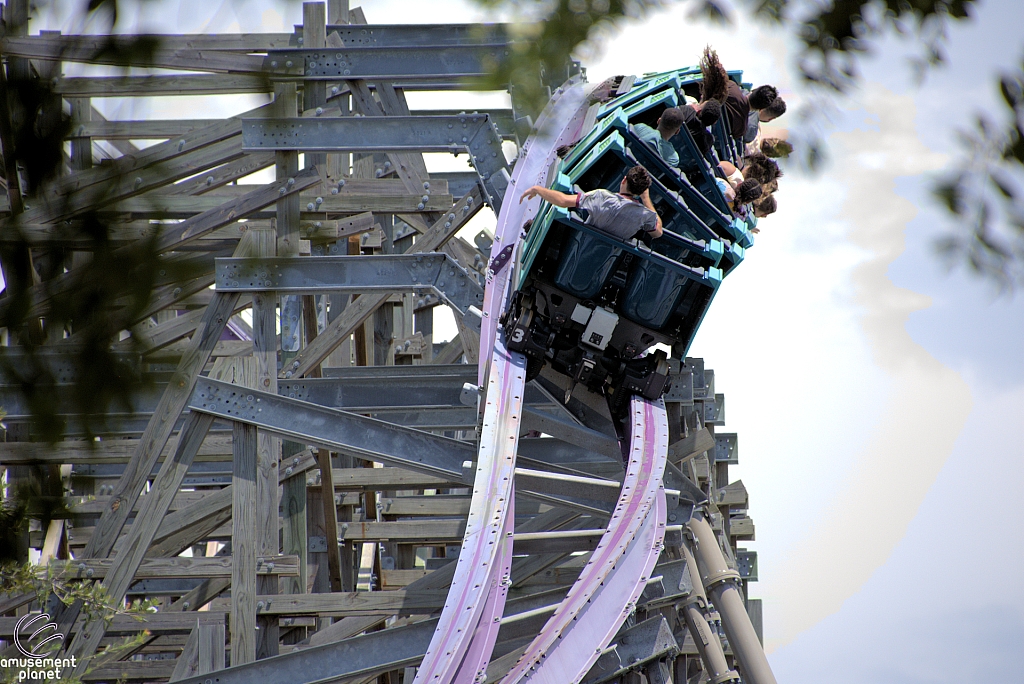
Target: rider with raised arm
{"type": "Point", "coordinates": [619, 214]}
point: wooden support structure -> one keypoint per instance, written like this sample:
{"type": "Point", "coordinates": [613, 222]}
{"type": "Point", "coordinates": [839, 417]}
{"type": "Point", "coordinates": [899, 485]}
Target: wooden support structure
{"type": "Point", "coordinates": [254, 546]}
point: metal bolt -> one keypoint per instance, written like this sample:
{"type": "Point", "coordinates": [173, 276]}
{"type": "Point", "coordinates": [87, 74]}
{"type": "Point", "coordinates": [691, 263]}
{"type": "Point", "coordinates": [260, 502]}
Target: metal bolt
{"type": "Point", "coordinates": [334, 191]}
{"type": "Point", "coordinates": [426, 185]}
{"type": "Point", "coordinates": [310, 207]}
{"type": "Point", "coordinates": [420, 206]}
{"type": "Point", "coordinates": [273, 64]}
{"type": "Point", "coordinates": [288, 64]}
{"type": "Point", "coordinates": [319, 201]}
{"type": "Point", "coordinates": [319, 111]}
{"type": "Point", "coordinates": [209, 180]}
{"type": "Point", "coordinates": [291, 182]}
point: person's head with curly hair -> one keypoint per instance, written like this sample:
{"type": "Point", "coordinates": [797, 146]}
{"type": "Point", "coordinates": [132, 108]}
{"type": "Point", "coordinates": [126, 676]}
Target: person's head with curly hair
{"type": "Point", "coordinates": [746, 192]}
{"type": "Point", "coordinates": [761, 168]}
{"type": "Point", "coordinates": [715, 78]}
{"type": "Point", "coordinates": [708, 112]}
{"type": "Point", "coordinates": [773, 111]}
{"type": "Point", "coordinates": [637, 180]}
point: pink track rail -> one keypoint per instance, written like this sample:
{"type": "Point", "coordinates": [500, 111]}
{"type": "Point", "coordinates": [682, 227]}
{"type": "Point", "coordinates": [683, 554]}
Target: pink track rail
{"type": "Point", "coordinates": [607, 589]}
{"type": "Point", "coordinates": [468, 627]}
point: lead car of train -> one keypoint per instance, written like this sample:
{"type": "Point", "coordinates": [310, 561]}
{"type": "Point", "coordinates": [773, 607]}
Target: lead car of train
{"type": "Point", "coordinates": [592, 306]}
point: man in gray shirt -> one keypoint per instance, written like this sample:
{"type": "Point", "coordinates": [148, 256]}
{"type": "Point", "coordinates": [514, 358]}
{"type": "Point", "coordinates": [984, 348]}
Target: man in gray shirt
{"type": "Point", "coordinates": [620, 215]}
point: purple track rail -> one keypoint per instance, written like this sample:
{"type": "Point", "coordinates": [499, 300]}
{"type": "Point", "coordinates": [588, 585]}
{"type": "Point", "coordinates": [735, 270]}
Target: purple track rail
{"type": "Point", "coordinates": [607, 589]}
{"type": "Point", "coordinates": [468, 627]}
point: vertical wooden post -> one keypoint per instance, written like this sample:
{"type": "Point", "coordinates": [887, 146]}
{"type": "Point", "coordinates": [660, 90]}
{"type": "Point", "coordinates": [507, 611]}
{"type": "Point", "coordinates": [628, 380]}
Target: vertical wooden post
{"type": "Point", "coordinates": [264, 346]}
{"type": "Point", "coordinates": [211, 644]}
{"type": "Point", "coordinates": [243, 545]}
{"type": "Point", "coordinates": [337, 11]}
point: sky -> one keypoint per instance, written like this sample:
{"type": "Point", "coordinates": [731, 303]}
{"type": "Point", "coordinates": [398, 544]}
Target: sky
{"type": "Point", "coordinates": [878, 397]}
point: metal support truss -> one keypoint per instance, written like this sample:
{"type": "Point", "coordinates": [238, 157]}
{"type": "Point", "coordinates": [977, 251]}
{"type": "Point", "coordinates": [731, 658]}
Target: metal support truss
{"type": "Point", "coordinates": [472, 133]}
{"type": "Point", "coordinates": [341, 431]}
{"type": "Point", "coordinates": [430, 272]}
{"type": "Point", "coordinates": [405, 35]}
{"type": "Point", "coordinates": [395, 63]}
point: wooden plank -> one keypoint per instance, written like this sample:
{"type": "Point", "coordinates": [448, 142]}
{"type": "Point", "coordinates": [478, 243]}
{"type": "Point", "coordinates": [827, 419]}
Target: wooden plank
{"type": "Point", "coordinates": [243, 545]}
{"type": "Point", "coordinates": [125, 670]}
{"type": "Point", "coordinates": [211, 645]}
{"type": "Point", "coordinates": [690, 446]}
{"type": "Point", "coordinates": [222, 175]}
{"type": "Point", "coordinates": [92, 505]}
{"type": "Point", "coordinates": [330, 519]}
{"type": "Point", "coordinates": [187, 664]}
{"type": "Point", "coordinates": [402, 602]}
{"type": "Point", "coordinates": [734, 494]}
{"type": "Point", "coordinates": [153, 86]}
{"type": "Point", "coordinates": [160, 622]}
{"type": "Point", "coordinates": [369, 479]}
{"type": "Point", "coordinates": [425, 505]}
{"type": "Point", "coordinates": [180, 568]}
{"type": "Point", "coordinates": [214, 448]}
{"type": "Point", "coordinates": [408, 531]}
{"type": "Point", "coordinates": [363, 307]}
{"type": "Point", "coordinates": [145, 129]}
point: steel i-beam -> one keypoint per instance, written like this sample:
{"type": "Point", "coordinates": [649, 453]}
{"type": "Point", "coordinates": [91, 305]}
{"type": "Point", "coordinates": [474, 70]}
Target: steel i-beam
{"type": "Point", "coordinates": [428, 272]}
{"type": "Point", "coordinates": [472, 133]}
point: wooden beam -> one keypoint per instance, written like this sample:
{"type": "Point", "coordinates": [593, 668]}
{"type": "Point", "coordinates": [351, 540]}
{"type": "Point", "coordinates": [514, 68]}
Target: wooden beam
{"type": "Point", "coordinates": [692, 445]}
{"type": "Point", "coordinates": [222, 175]}
{"type": "Point", "coordinates": [179, 568]}
{"type": "Point", "coordinates": [243, 546]}
{"type": "Point", "coordinates": [402, 602]}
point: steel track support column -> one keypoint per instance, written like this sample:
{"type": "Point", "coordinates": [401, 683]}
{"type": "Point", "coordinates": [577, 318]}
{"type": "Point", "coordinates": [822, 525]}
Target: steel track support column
{"type": "Point", "coordinates": [722, 583]}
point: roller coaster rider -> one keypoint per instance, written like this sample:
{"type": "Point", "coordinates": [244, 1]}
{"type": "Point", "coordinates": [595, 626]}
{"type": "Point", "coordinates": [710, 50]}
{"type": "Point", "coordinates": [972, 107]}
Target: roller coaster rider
{"type": "Point", "coordinates": [622, 215]}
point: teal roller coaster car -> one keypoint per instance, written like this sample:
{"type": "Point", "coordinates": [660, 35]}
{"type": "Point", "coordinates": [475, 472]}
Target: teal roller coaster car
{"type": "Point", "coordinates": [592, 306]}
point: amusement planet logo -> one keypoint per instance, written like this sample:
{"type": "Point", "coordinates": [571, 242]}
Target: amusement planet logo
{"type": "Point", "coordinates": [34, 665]}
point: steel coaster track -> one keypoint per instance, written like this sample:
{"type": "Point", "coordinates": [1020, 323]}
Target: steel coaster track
{"type": "Point", "coordinates": [461, 646]}
{"type": "Point", "coordinates": [606, 592]}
